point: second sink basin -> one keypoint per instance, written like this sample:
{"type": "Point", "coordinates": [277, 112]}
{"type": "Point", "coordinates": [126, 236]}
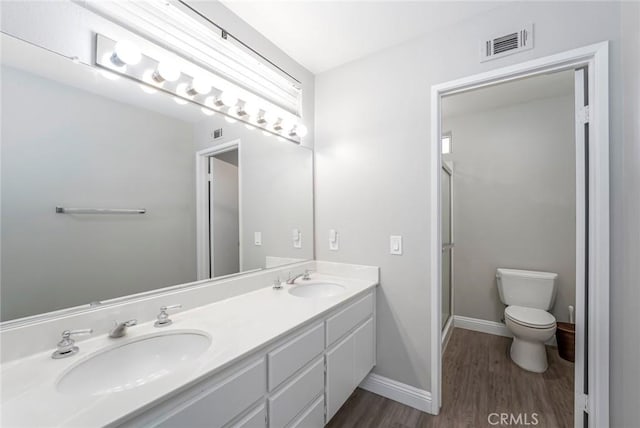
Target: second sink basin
{"type": "Point", "coordinates": [317, 289]}
{"type": "Point", "coordinates": [134, 363]}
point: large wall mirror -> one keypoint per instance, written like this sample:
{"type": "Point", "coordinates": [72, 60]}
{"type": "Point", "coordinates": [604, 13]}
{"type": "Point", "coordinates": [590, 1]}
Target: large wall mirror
{"type": "Point", "coordinates": [185, 196]}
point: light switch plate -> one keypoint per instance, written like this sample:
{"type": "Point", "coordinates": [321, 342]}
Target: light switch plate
{"type": "Point", "coordinates": [257, 238]}
{"type": "Point", "coordinates": [334, 240]}
{"type": "Point", "coordinates": [296, 237]}
{"type": "Point", "coordinates": [395, 245]}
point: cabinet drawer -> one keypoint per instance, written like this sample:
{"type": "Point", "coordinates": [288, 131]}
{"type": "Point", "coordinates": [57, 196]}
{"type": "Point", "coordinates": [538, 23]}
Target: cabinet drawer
{"type": "Point", "coordinates": [217, 406]}
{"type": "Point", "coordinates": [345, 320]}
{"type": "Point", "coordinates": [296, 395]}
{"type": "Point", "coordinates": [313, 417]}
{"type": "Point", "coordinates": [295, 354]}
{"type": "Point", "coordinates": [255, 419]}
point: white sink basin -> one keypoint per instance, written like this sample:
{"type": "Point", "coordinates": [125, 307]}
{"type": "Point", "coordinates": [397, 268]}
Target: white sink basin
{"type": "Point", "coordinates": [133, 363]}
{"type": "Point", "coordinates": [317, 289]}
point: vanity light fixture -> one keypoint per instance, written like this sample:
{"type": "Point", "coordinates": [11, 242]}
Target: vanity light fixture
{"type": "Point", "coordinates": [190, 83]}
{"type": "Point", "coordinates": [125, 53]}
{"type": "Point", "coordinates": [166, 71]}
{"type": "Point", "coordinates": [179, 28]}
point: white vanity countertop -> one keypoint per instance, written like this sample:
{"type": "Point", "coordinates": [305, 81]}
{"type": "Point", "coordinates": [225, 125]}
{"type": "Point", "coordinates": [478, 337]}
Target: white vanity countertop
{"type": "Point", "coordinates": [237, 326]}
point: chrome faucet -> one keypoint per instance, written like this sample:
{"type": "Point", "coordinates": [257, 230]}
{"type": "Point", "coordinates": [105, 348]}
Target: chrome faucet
{"type": "Point", "coordinates": [305, 276]}
{"type": "Point", "coordinates": [163, 317]}
{"type": "Point", "coordinates": [66, 346]}
{"type": "Point", "coordinates": [120, 328]}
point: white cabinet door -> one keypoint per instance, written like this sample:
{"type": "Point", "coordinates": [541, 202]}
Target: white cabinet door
{"type": "Point", "coordinates": [364, 351]}
{"type": "Point", "coordinates": [339, 383]}
{"type": "Point", "coordinates": [296, 395]}
{"type": "Point", "coordinates": [348, 363]}
{"type": "Point", "coordinates": [218, 406]}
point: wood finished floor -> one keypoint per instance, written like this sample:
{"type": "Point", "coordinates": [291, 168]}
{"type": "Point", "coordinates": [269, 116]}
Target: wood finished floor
{"type": "Point", "coordinates": [479, 378]}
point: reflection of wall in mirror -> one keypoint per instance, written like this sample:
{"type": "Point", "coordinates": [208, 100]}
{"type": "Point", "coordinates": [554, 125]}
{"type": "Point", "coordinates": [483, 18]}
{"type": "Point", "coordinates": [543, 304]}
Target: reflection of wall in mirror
{"type": "Point", "coordinates": [276, 191]}
{"type": "Point", "coordinates": [64, 146]}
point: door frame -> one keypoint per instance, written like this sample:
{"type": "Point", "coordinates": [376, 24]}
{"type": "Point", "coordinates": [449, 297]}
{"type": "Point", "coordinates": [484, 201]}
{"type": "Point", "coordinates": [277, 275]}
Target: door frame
{"type": "Point", "coordinates": [203, 251]}
{"type": "Point", "coordinates": [596, 58]}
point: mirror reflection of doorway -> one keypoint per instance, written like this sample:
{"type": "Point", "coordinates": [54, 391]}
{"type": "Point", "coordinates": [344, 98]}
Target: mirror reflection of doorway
{"type": "Point", "coordinates": [224, 225]}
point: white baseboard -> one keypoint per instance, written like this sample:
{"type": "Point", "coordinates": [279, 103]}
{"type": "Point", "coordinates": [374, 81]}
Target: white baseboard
{"type": "Point", "coordinates": [397, 391]}
{"type": "Point", "coordinates": [489, 327]}
{"type": "Point", "coordinates": [483, 326]}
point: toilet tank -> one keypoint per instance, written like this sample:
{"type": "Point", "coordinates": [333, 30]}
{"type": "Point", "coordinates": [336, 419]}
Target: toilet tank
{"type": "Point", "coordinates": [527, 288]}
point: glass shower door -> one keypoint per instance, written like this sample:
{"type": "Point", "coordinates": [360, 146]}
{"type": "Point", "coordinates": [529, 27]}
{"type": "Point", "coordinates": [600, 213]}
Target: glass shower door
{"type": "Point", "coordinates": [447, 244]}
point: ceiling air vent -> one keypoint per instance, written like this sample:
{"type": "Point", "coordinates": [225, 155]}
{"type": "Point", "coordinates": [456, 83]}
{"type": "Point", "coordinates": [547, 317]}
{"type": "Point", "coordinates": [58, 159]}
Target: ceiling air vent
{"type": "Point", "coordinates": [507, 44]}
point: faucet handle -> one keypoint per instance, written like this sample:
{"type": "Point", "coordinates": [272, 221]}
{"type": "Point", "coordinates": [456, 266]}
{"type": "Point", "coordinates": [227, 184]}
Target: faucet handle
{"type": "Point", "coordinates": [277, 284]}
{"type": "Point", "coordinates": [163, 317]}
{"type": "Point", "coordinates": [307, 274]}
{"type": "Point", "coordinates": [66, 346]}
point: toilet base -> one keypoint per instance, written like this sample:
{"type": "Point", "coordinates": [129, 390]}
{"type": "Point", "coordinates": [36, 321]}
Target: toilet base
{"type": "Point", "coordinates": [531, 356]}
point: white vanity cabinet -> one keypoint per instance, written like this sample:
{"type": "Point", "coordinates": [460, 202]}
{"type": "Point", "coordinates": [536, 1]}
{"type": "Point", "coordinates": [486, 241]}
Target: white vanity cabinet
{"type": "Point", "coordinates": [300, 381]}
{"type": "Point", "coordinates": [349, 358]}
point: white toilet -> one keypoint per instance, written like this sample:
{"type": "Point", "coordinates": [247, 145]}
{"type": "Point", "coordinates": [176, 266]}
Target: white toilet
{"type": "Point", "coordinates": [528, 296]}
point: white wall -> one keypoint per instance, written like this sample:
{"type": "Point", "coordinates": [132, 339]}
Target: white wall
{"type": "Point", "coordinates": [276, 190]}
{"type": "Point", "coordinates": [372, 121]}
{"type": "Point", "coordinates": [625, 249]}
{"type": "Point", "coordinates": [514, 199]}
{"type": "Point", "coordinates": [60, 147]}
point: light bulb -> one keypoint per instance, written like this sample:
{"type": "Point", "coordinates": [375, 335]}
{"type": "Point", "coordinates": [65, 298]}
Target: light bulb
{"type": "Point", "coordinates": [166, 71]}
{"type": "Point", "coordinates": [210, 102]}
{"type": "Point", "coordinates": [228, 98]}
{"type": "Point", "coordinates": [199, 85]}
{"type": "Point", "coordinates": [207, 111]}
{"type": "Point", "coordinates": [301, 130]}
{"type": "Point", "coordinates": [251, 110]}
{"type": "Point", "coordinates": [270, 117]}
{"type": "Point", "coordinates": [125, 52]}
{"type": "Point", "coordinates": [233, 110]}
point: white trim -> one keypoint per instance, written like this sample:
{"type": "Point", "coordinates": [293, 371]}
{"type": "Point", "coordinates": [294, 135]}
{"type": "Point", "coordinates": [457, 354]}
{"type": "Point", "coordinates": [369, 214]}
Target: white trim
{"type": "Point", "coordinates": [397, 391]}
{"type": "Point", "coordinates": [202, 205]}
{"type": "Point", "coordinates": [483, 326]}
{"type": "Point", "coordinates": [596, 58]}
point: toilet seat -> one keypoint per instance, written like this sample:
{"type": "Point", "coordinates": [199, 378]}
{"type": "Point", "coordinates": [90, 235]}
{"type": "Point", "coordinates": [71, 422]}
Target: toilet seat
{"type": "Point", "coordinates": [530, 317]}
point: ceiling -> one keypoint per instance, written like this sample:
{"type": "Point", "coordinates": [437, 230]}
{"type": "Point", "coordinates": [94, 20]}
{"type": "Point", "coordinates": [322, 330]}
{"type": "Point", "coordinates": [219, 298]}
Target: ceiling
{"type": "Point", "coordinates": [322, 35]}
{"type": "Point", "coordinates": [510, 93]}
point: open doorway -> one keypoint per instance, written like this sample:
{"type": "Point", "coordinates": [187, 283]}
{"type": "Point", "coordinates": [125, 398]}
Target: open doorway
{"type": "Point", "coordinates": [586, 69]}
{"type": "Point", "coordinates": [515, 214]}
{"type": "Point", "coordinates": [219, 210]}
{"type": "Point", "coordinates": [224, 212]}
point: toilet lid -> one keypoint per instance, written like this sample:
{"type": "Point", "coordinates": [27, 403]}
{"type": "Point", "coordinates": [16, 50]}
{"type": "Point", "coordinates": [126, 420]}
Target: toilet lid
{"type": "Point", "coordinates": [530, 317]}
